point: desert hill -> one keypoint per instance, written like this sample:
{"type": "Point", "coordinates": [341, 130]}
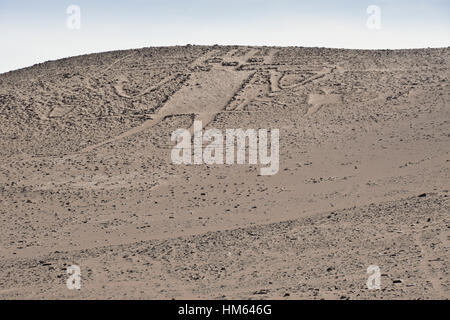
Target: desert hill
{"type": "Point", "coordinates": [86, 176]}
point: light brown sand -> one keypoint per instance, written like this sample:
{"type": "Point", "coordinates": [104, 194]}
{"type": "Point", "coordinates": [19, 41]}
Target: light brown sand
{"type": "Point", "coordinates": [86, 176]}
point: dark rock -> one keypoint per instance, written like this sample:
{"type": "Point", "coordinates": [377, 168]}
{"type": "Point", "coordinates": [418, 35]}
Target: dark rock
{"type": "Point", "coordinates": [423, 195]}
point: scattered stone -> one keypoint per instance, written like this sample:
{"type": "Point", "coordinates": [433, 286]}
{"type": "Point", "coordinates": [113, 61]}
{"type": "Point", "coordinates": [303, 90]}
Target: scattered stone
{"type": "Point", "coordinates": [263, 291]}
{"type": "Point", "coordinates": [423, 195]}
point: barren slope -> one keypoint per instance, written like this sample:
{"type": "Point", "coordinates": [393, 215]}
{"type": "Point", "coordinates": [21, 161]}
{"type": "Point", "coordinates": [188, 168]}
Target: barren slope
{"type": "Point", "coordinates": [86, 176]}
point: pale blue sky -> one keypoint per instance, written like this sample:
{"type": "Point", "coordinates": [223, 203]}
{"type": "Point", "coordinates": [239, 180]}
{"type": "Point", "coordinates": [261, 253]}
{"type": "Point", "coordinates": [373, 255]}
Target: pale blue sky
{"type": "Point", "coordinates": [36, 31]}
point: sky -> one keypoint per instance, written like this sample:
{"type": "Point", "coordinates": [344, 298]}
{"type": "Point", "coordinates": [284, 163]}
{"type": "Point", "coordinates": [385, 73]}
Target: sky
{"type": "Point", "coordinates": [37, 31]}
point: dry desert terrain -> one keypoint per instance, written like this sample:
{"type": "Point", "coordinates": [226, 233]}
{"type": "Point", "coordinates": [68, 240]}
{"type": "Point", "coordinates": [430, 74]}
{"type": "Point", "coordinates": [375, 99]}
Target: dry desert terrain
{"type": "Point", "coordinates": [86, 176]}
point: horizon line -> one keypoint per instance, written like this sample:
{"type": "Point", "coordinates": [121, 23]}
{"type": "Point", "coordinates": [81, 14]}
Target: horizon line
{"type": "Point", "coordinates": [223, 45]}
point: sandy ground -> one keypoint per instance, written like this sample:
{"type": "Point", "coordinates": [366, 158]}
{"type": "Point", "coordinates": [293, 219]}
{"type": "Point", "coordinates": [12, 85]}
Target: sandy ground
{"type": "Point", "coordinates": [86, 176]}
